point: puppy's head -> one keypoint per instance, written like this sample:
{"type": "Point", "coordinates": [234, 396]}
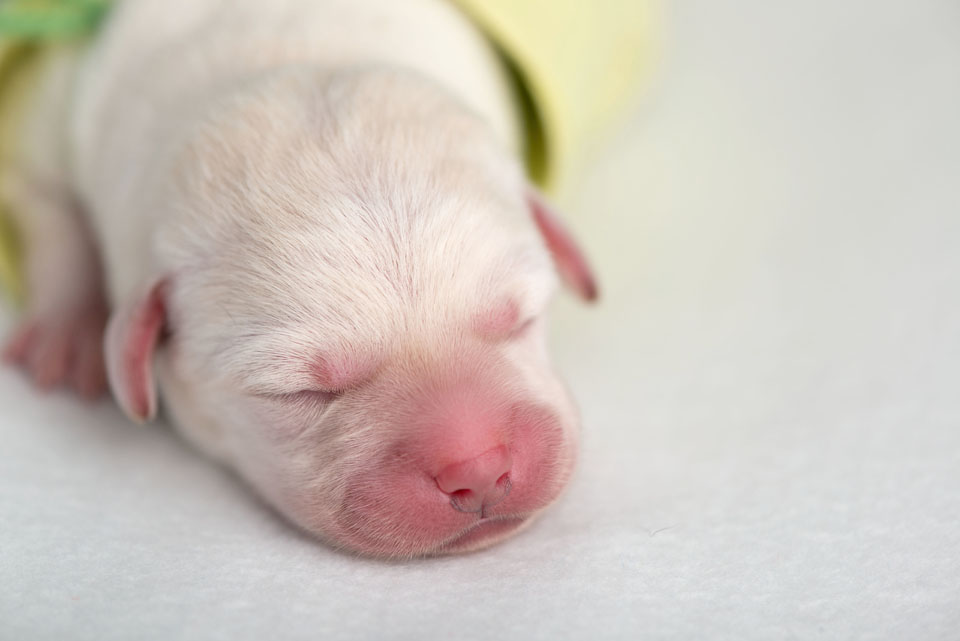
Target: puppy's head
{"type": "Point", "coordinates": [349, 308]}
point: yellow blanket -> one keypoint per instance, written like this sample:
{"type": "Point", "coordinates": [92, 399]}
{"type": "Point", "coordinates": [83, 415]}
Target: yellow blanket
{"type": "Point", "coordinates": [13, 57]}
{"type": "Point", "coordinates": [577, 62]}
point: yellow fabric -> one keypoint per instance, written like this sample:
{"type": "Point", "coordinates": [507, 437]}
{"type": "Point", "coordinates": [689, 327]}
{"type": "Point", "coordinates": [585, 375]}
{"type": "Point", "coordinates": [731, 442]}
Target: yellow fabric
{"type": "Point", "coordinates": [14, 62]}
{"type": "Point", "coordinates": [24, 26]}
{"type": "Point", "coordinates": [577, 63]}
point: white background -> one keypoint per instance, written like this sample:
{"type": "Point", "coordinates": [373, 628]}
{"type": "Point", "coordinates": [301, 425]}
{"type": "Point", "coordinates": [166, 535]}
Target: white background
{"type": "Point", "coordinates": [770, 390]}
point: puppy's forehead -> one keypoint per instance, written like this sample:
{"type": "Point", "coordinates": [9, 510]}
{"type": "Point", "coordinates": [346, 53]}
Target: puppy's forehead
{"type": "Point", "coordinates": [337, 230]}
{"type": "Point", "coordinates": [345, 295]}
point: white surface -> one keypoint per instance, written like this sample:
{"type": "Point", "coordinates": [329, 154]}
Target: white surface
{"type": "Point", "coordinates": [771, 391]}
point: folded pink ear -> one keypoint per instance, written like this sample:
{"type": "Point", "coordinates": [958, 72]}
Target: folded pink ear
{"type": "Point", "coordinates": [132, 336]}
{"type": "Point", "coordinates": [567, 256]}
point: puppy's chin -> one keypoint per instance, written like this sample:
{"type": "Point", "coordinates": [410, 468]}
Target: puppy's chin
{"type": "Point", "coordinates": [474, 536]}
{"type": "Point", "coordinates": [485, 533]}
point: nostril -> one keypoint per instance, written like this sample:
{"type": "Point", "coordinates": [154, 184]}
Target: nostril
{"type": "Point", "coordinates": [501, 490]}
{"type": "Point", "coordinates": [479, 481]}
{"type": "Point", "coordinates": [466, 501]}
{"type": "Point", "coordinates": [463, 496]}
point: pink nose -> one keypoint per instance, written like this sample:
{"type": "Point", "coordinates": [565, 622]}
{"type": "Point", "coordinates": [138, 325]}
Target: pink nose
{"type": "Point", "coordinates": [479, 482]}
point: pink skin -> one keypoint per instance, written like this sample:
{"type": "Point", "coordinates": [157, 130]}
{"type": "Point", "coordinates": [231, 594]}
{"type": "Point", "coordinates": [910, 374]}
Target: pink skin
{"type": "Point", "coordinates": [477, 484]}
{"type": "Point", "coordinates": [59, 342]}
{"type": "Point", "coordinates": [137, 329]}
{"type": "Point", "coordinates": [467, 504]}
{"type": "Point", "coordinates": [334, 374]}
{"type": "Point", "coordinates": [567, 255]}
{"type": "Point", "coordinates": [499, 320]}
{"type": "Point", "coordinates": [63, 349]}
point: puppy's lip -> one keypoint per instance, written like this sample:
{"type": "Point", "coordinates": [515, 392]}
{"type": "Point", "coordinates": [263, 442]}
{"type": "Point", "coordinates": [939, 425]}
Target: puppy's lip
{"type": "Point", "coordinates": [485, 532]}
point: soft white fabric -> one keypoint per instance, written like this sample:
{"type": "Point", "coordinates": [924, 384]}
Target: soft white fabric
{"type": "Point", "coordinates": [770, 388]}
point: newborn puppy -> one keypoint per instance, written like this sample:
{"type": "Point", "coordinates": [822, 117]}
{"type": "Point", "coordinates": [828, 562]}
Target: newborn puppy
{"type": "Point", "coordinates": [309, 221]}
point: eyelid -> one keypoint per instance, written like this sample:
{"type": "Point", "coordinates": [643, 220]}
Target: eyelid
{"type": "Point", "coordinates": [505, 319]}
{"type": "Point", "coordinates": [320, 395]}
{"type": "Point", "coordinates": [522, 327]}
{"type": "Point", "coordinates": [304, 395]}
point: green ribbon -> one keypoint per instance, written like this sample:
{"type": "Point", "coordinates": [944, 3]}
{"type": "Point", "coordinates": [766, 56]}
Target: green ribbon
{"type": "Point", "coordinates": [49, 19]}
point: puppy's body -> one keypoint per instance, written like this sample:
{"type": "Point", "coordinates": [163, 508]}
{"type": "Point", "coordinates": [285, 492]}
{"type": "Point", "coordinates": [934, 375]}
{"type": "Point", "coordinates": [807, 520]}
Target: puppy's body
{"type": "Point", "coordinates": [316, 206]}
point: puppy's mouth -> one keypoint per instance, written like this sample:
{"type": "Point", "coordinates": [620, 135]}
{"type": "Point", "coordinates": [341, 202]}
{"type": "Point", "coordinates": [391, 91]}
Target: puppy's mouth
{"type": "Point", "coordinates": [485, 532]}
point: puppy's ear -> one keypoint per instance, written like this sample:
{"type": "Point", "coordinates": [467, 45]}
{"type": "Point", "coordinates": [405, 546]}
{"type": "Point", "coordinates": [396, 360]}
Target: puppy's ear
{"type": "Point", "coordinates": [569, 259]}
{"type": "Point", "coordinates": [132, 336]}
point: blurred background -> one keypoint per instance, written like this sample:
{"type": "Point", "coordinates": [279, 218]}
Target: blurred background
{"type": "Point", "coordinates": [770, 389]}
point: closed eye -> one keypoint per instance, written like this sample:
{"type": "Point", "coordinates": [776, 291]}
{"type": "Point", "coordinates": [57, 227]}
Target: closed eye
{"type": "Point", "coordinates": [522, 328]}
{"type": "Point", "coordinates": [318, 396]}
{"type": "Point", "coordinates": [307, 396]}
{"type": "Point", "coordinates": [315, 378]}
{"type": "Point", "coordinates": [502, 321]}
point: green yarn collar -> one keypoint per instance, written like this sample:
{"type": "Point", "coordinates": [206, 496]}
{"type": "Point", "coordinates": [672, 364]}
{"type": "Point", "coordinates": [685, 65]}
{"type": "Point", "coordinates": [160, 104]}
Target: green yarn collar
{"type": "Point", "coordinates": [49, 19]}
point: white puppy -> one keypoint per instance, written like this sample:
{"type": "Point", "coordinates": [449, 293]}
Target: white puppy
{"type": "Point", "coordinates": [311, 218]}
